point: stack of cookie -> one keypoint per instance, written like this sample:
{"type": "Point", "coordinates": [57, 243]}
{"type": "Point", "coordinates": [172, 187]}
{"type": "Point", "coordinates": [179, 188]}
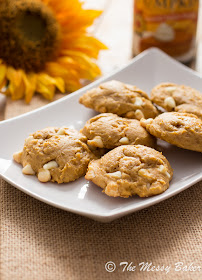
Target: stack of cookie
{"type": "Point", "coordinates": [117, 148]}
{"type": "Point", "coordinates": [134, 168]}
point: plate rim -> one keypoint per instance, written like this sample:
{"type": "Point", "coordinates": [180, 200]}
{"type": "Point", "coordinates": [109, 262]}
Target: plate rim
{"type": "Point", "coordinates": [108, 217]}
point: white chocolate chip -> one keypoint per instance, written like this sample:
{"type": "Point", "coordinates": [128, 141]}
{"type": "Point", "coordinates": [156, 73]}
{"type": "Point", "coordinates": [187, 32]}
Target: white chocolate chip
{"type": "Point", "coordinates": [162, 168]}
{"type": "Point", "coordinates": [148, 121]}
{"type": "Point", "coordinates": [142, 172]}
{"type": "Point", "coordinates": [28, 139]}
{"type": "Point", "coordinates": [17, 156]}
{"type": "Point", "coordinates": [124, 140]}
{"type": "Point", "coordinates": [116, 174]}
{"type": "Point", "coordinates": [138, 102]}
{"type": "Point", "coordinates": [44, 175]}
{"type": "Point", "coordinates": [144, 122]}
{"type": "Point", "coordinates": [170, 89]}
{"type": "Point", "coordinates": [145, 173]}
{"type": "Point", "coordinates": [91, 173]}
{"type": "Point", "coordinates": [61, 131]}
{"type": "Point", "coordinates": [27, 170]}
{"type": "Point", "coordinates": [170, 102]}
{"type": "Point", "coordinates": [168, 174]}
{"type": "Point", "coordinates": [96, 142]}
{"type": "Point", "coordinates": [138, 114]}
{"type": "Point", "coordinates": [51, 164]}
{"type": "Point", "coordinates": [112, 190]}
{"type": "Point", "coordinates": [148, 185]}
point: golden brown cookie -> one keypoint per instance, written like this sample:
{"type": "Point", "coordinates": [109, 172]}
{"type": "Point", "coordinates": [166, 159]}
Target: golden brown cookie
{"type": "Point", "coordinates": [129, 170]}
{"type": "Point", "coordinates": [122, 99]}
{"type": "Point", "coordinates": [55, 154]}
{"type": "Point", "coordinates": [191, 109]}
{"type": "Point", "coordinates": [180, 129]}
{"type": "Point", "coordinates": [109, 131]}
{"type": "Point", "coordinates": [170, 95]}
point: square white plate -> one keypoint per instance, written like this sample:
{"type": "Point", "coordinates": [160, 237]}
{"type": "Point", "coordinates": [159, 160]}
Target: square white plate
{"type": "Point", "coordinates": [81, 197]}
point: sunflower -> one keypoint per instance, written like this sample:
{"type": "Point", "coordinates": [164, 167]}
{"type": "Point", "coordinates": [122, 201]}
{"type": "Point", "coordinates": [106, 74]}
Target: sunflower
{"type": "Point", "coordinates": [45, 47]}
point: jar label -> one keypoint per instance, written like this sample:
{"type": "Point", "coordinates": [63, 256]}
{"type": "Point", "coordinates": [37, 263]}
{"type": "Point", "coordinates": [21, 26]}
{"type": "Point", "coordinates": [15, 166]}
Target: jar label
{"type": "Point", "coordinates": [167, 24]}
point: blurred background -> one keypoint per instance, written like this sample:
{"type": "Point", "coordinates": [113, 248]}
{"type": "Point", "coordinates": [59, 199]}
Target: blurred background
{"type": "Point", "coordinates": [115, 28]}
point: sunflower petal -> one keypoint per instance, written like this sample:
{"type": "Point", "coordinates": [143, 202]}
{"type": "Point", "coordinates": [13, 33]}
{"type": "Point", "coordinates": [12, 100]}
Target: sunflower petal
{"type": "Point", "coordinates": [3, 86]}
{"type": "Point", "coordinates": [30, 86]}
{"type": "Point", "coordinates": [16, 92]}
{"type": "Point", "coordinates": [20, 91]}
{"type": "Point", "coordinates": [85, 44]}
{"type": "Point", "coordinates": [74, 61]}
{"type": "Point", "coordinates": [82, 70]}
{"type": "Point", "coordinates": [80, 20]}
{"type": "Point", "coordinates": [14, 75]}
{"type": "Point", "coordinates": [84, 60]}
{"type": "Point", "coordinates": [46, 91]}
{"type": "Point", "coordinates": [48, 80]}
{"type": "Point", "coordinates": [71, 86]}
{"type": "Point", "coordinates": [16, 85]}
{"type": "Point", "coordinates": [60, 84]}
{"type": "Point", "coordinates": [3, 69]}
{"type": "Point", "coordinates": [54, 69]}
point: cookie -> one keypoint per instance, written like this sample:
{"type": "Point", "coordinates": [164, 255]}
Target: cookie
{"type": "Point", "coordinates": [55, 154]}
{"type": "Point", "coordinates": [169, 95]}
{"type": "Point", "coordinates": [189, 108]}
{"type": "Point", "coordinates": [122, 99]}
{"type": "Point", "coordinates": [180, 129]}
{"type": "Point", "coordinates": [129, 170]}
{"type": "Point", "coordinates": [109, 131]}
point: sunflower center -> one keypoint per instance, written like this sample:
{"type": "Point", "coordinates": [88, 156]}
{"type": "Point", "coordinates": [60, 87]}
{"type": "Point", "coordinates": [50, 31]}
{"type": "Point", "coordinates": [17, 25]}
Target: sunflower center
{"type": "Point", "coordinates": [32, 26]}
{"type": "Point", "coordinates": [30, 34]}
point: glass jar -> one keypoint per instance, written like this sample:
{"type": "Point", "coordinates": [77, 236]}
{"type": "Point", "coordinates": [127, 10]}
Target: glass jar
{"type": "Point", "coordinates": [166, 24]}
